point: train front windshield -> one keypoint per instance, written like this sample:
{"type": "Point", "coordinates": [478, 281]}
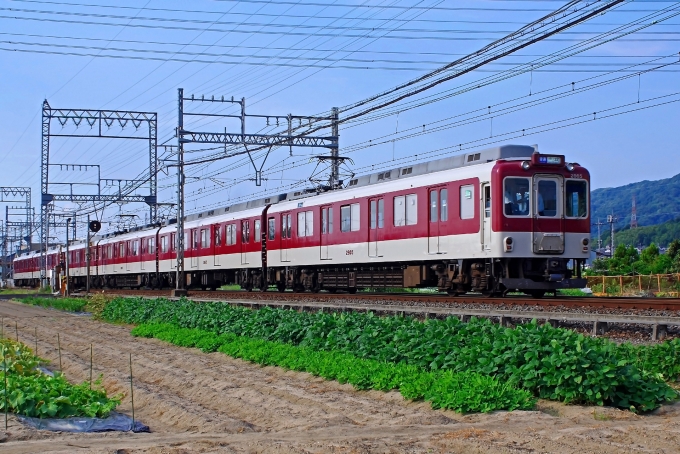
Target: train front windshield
{"type": "Point", "coordinates": [545, 197]}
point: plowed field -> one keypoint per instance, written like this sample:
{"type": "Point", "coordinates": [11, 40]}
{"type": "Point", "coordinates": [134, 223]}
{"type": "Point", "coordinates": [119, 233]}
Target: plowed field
{"type": "Point", "coordinates": [196, 402]}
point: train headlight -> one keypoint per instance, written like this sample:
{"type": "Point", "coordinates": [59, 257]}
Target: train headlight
{"type": "Point", "coordinates": [570, 167]}
{"type": "Point", "coordinates": [585, 243]}
{"type": "Point", "coordinates": [508, 244]}
{"type": "Point", "coordinates": [525, 165]}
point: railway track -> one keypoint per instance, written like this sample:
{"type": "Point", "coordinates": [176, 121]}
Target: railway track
{"type": "Point", "coordinates": [621, 303]}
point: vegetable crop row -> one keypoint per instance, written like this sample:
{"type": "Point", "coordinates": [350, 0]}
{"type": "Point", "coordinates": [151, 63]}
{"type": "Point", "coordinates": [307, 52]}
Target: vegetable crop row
{"type": "Point", "coordinates": [459, 391]}
{"type": "Point", "coordinates": [553, 363]}
{"type": "Point", "coordinates": [33, 393]}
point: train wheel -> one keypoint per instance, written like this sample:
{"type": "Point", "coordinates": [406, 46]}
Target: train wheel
{"type": "Point", "coordinates": [538, 294]}
{"type": "Point", "coordinates": [281, 287]}
{"type": "Point", "coordinates": [352, 290]}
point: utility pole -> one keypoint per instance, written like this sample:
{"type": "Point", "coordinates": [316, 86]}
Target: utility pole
{"type": "Point", "coordinates": [335, 152]}
{"type": "Point", "coordinates": [68, 277]}
{"type": "Point", "coordinates": [611, 219]}
{"type": "Point", "coordinates": [87, 257]}
{"type": "Point", "coordinates": [633, 215]}
{"type": "Point", "coordinates": [599, 236]}
{"type": "Point", "coordinates": [179, 236]}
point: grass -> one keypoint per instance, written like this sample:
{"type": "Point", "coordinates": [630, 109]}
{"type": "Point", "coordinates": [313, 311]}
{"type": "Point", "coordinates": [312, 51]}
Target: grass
{"type": "Point", "coordinates": [63, 304]}
{"type": "Point", "coordinates": [19, 291]}
{"type": "Point", "coordinates": [572, 292]}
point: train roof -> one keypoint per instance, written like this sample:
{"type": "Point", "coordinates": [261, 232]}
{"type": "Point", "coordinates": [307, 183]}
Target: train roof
{"type": "Point", "coordinates": [506, 152]}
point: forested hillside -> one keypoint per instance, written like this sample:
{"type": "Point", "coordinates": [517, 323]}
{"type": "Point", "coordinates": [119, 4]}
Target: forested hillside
{"type": "Point", "coordinates": [661, 234]}
{"type": "Point", "coordinates": [657, 202]}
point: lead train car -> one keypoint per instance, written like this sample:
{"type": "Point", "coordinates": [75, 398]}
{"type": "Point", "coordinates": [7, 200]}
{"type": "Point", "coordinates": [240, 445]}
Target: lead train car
{"type": "Point", "coordinates": [492, 221]}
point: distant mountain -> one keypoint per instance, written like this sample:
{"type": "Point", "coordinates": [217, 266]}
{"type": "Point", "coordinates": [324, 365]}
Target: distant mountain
{"type": "Point", "coordinates": [661, 235]}
{"type": "Point", "coordinates": [657, 202]}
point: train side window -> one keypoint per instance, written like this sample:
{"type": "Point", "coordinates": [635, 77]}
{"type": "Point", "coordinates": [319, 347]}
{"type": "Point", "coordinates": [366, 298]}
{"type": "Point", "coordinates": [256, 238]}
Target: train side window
{"type": "Point", "coordinates": [327, 220]}
{"type": "Point", "coordinates": [258, 233]}
{"type": "Point", "coordinates": [373, 208]}
{"type": "Point", "coordinates": [350, 218]}
{"type": "Point", "coordinates": [444, 205]}
{"type": "Point", "coordinates": [487, 201]}
{"type": "Point", "coordinates": [377, 212]}
{"type": "Point", "coordinates": [434, 200]}
{"type": "Point", "coordinates": [135, 247]}
{"type": "Point", "coordinates": [245, 232]}
{"type": "Point", "coordinates": [271, 229]}
{"type": "Point", "coordinates": [516, 196]}
{"type": "Point", "coordinates": [205, 238]}
{"type": "Point", "coordinates": [305, 223]}
{"type": "Point", "coordinates": [284, 226]}
{"type": "Point", "coordinates": [577, 198]}
{"type": "Point", "coordinates": [467, 202]}
{"type": "Point", "coordinates": [121, 250]}
{"type": "Point", "coordinates": [218, 235]}
{"type": "Point", "coordinates": [164, 244]}
{"type": "Point", "coordinates": [173, 241]}
{"type": "Point", "coordinates": [405, 210]}
{"type": "Point", "coordinates": [231, 234]}
{"type": "Point", "coordinates": [194, 239]}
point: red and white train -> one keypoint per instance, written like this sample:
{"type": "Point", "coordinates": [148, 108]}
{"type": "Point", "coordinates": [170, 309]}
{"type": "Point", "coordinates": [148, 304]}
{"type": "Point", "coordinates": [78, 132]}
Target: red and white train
{"type": "Point", "coordinates": [498, 220]}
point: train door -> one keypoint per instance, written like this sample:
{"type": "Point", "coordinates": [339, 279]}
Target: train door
{"type": "Point", "coordinates": [439, 215]}
{"type": "Point", "coordinates": [145, 248]}
{"type": "Point", "coordinates": [245, 241]}
{"type": "Point", "coordinates": [118, 254]}
{"type": "Point", "coordinates": [486, 216]}
{"type": "Point", "coordinates": [217, 237]}
{"type": "Point", "coordinates": [326, 230]}
{"type": "Point", "coordinates": [194, 248]}
{"type": "Point", "coordinates": [286, 235]}
{"type": "Point", "coordinates": [548, 215]}
{"type": "Point", "coordinates": [173, 248]}
{"type": "Point", "coordinates": [376, 219]}
{"type": "Point", "coordinates": [132, 251]}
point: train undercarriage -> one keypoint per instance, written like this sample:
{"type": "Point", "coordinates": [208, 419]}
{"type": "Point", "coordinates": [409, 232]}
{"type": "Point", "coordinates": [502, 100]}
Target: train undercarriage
{"type": "Point", "coordinates": [533, 276]}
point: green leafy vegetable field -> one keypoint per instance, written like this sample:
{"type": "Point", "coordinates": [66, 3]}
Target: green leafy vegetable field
{"type": "Point", "coordinates": [32, 393]}
{"type": "Point", "coordinates": [552, 363]}
{"type": "Point", "coordinates": [459, 391]}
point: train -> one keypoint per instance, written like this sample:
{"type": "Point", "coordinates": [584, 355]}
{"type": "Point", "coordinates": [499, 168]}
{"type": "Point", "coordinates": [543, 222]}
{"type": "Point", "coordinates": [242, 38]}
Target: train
{"type": "Point", "coordinates": [504, 219]}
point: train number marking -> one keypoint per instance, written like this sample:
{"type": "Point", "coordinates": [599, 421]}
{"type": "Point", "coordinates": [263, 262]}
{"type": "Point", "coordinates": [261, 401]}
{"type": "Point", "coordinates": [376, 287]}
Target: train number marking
{"type": "Point", "coordinates": [577, 175]}
{"type": "Point", "coordinates": [349, 252]}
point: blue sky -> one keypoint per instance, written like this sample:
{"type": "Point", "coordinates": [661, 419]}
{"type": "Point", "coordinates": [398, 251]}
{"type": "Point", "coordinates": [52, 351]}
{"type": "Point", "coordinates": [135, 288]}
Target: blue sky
{"type": "Point", "coordinates": [304, 57]}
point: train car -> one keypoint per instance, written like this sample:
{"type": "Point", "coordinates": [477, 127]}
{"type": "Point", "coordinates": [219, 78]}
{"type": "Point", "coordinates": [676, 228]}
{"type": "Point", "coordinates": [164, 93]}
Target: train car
{"type": "Point", "coordinates": [492, 221]}
{"type": "Point", "coordinates": [27, 267]}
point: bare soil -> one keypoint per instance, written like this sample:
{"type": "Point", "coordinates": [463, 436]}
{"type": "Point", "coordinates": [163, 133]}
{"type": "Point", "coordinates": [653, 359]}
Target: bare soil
{"type": "Point", "coordinates": [196, 402]}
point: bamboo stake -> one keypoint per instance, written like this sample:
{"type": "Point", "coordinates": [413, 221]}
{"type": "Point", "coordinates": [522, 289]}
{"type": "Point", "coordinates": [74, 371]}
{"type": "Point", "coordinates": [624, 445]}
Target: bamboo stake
{"type": "Point", "coordinates": [90, 366]}
{"type": "Point", "coordinates": [2, 327]}
{"type": "Point", "coordinates": [59, 347]}
{"type": "Point", "coordinates": [132, 395]}
{"type": "Point", "coordinates": [4, 370]}
{"type": "Point", "coordinates": [36, 341]}
{"type": "Point", "coordinates": [16, 328]}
